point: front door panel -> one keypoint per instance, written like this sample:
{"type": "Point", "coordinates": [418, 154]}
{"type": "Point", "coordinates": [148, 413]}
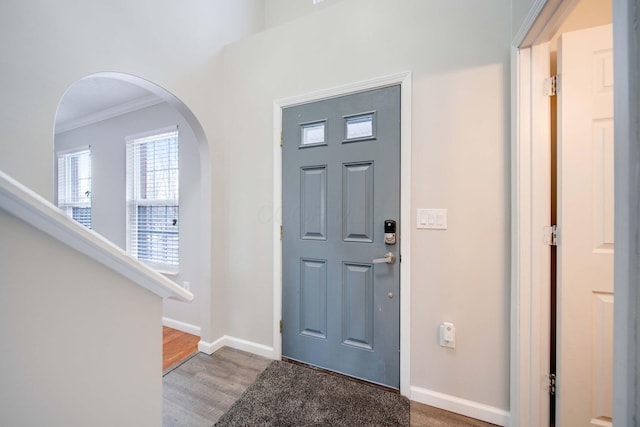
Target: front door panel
{"type": "Point", "coordinates": [341, 181]}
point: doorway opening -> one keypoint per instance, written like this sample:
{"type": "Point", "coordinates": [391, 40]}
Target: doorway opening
{"type": "Point", "coordinates": [582, 273]}
{"type": "Point", "coordinates": [545, 133]}
{"type": "Point", "coordinates": [99, 112]}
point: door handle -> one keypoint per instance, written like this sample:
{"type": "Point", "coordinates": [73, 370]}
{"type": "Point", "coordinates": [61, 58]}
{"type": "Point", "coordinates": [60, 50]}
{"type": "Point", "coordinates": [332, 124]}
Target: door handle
{"type": "Point", "coordinates": [389, 258]}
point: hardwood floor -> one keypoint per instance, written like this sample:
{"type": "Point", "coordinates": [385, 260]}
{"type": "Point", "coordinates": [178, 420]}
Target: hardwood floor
{"type": "Point", "coordinates": [198, 393]}
{"type": "Point", "coordinates": [428, 416]}
{"type": "Point", "coordinates": [176, 346]}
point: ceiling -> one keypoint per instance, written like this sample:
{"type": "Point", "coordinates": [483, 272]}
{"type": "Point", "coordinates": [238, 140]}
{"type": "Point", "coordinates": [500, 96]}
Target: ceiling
{"type": "Point", "coordinates": [90, 100]}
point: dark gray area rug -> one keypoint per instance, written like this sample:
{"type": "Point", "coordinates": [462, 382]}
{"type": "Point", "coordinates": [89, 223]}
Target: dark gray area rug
{"type": "Point", "coordinates": [290, 395]}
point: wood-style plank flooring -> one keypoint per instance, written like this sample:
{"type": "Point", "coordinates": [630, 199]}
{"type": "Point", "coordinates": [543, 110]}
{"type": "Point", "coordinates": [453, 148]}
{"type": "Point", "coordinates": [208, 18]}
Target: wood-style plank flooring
{"type": "Point", "coordinates": [198, 393]}
{"type": "Point", "coordinates": [176, 346]}
{"type": "Point", "coordinates": [428, 416]}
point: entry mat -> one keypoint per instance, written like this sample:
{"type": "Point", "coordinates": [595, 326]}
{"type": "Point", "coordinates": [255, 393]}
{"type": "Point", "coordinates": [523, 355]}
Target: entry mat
{"type": "Point", "coordinates": [286, 394]}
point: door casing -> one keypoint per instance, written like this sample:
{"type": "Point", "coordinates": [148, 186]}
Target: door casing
{"type": "Point", "coordinates": [530, 270]}
{"type": "Point", "coordinates": [404, 80]}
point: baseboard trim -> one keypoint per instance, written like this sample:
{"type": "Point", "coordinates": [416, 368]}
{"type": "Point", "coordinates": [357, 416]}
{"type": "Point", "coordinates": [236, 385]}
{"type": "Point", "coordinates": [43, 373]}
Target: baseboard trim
{"type": "Point", "coordinates": [251, 347]}
{"type": "Point", "coordinates": [238, 344]}
{"type": "Point", "coordinates": [465, 407]}
{"type": "Point", "coordinates": [181, 326]}
{"type": "Point", "coordinates": [211, 347]}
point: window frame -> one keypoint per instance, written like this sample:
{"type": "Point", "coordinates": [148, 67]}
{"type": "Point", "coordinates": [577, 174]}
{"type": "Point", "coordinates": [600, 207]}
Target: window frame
{"type": "Point", "coordinates": [63, 202]}
{"type": "Point", "coordinates": [134, 202]}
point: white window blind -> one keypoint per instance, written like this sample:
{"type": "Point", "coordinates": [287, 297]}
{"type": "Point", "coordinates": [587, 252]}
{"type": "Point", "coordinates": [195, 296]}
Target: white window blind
{"type": "Point", "coordinates": [74, 185]}
{"type": "Point", "coordinates": [152, 199]}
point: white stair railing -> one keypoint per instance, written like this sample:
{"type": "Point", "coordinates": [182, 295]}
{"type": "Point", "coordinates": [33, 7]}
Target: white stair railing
{"type": "Point", "coordinates": [25, 204]}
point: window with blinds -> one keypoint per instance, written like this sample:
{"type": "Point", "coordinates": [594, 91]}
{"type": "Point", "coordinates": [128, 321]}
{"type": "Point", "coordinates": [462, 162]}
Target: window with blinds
{"type": "Point", "coordinates": [74, 185]}
{"type": "Point", "coordinates": [152, 199]}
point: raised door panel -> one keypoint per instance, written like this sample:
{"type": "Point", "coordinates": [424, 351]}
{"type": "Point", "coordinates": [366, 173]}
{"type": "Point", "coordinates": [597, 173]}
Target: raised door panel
{"type": "Point", "coordinates": [313, 298]}
{"type": "Point", "coordinates": [357, 202]}
{"type": "Point", "coordinates": [313, 197]}
{"type": "Point", "coordinates": [357, 305]}
{"type": "Point", "coordinates": [603, 181]}
{"type": "Point", "coordinates": [602, 360]}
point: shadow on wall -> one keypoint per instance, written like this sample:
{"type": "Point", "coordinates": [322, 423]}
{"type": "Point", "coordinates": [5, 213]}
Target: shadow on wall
{"type": "Point", "coordinates": [97, 113]}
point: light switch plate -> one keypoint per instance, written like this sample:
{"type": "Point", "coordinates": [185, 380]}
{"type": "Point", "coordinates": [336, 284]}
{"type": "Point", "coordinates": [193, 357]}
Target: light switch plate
{"type": "Point", "coordinates": [431, 219]}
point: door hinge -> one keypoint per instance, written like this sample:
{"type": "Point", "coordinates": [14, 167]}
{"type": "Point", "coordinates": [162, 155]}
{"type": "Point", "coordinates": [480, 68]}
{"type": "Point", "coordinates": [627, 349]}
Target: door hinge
{"type": "Point", "coordinates": [281, 326]}
{"type": "Point", "coordinates": [552, 384]}
{"type": "Point", "coordinates": [281, 231]}
{"type": "Point", "coordinates": [550, 235]}
{"type": "Point", "coordinates": [550, 86]}
{"type": "Point", "coordinates": [281, 140]}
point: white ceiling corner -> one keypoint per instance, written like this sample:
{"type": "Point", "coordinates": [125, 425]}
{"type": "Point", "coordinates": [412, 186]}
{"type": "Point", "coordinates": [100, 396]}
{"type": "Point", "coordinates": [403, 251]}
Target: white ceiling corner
{"type": "Point", "coordinates": [91, 100]}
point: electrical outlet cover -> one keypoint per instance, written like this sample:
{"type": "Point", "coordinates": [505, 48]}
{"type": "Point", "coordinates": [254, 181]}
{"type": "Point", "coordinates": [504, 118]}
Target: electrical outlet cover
{"type": "Point", "coordinates": [447, 335]}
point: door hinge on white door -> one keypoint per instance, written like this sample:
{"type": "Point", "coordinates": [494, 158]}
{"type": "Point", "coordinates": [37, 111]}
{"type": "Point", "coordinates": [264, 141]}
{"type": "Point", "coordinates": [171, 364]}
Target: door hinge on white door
{"type": "Point", "coordinates": [550, 86]}
{"type": "Point", "coordinates": [550, 235]}
{"type": "Point", "coordinates": [551, 384]}
{"type": "Point", "coordinates": [281, 326]}
{"type": "Point", "coordinates": [281, 140]}
{"type": "Point", "coordinates": [281, 231]}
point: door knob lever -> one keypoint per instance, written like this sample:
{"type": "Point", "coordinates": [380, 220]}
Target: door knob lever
{"type": "Point", "coordinates": [389, 258]}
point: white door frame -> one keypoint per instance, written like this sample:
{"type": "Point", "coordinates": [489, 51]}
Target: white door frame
{"type": "Point", "coordinates": [531, 207]}
{"type": "Point", "coordinates": [626, 63]}
{"type": "Point", "coordinates": [404, 80]}
{"type": "Point", "coordinates": [530, 163]}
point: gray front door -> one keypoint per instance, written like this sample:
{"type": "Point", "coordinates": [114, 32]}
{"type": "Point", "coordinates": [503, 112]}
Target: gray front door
{"type": "Point", "coordinates": [341, 182]}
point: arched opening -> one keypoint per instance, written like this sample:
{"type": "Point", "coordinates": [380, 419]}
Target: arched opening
{"type": "Point", "coordinates": [98, 113]}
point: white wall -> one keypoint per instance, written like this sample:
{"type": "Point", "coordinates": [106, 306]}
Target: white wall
{"type": "Point", "coordinates": [459, 56]}
{"type": "Point", "coordinates": [107, 140]}
{"type": "Point", "coordinates": [80, 344]}
{"type": "Point", "coordinates": [519, 11]}
{"type": "Point", "coordinates": [46, 46]}
{"type": "Point", "coordinates": [278, 12]}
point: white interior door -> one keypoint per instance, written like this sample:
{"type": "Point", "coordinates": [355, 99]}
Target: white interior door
{"type": "Point", "coordinates": [585, 219]}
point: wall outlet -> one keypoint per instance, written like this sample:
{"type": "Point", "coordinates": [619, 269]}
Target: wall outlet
{"type": "Point", "coordinates": [447, 335]}
{"type": "Point", "coordinates": [186, 285]}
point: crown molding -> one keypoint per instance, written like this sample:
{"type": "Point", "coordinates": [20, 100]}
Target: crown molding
{"type": "Point", "coordinates": [109, 113]}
